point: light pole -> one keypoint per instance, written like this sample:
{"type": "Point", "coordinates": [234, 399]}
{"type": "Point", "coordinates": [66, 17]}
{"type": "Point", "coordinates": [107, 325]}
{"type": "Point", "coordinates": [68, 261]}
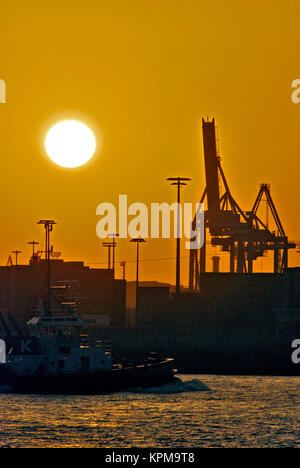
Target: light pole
{"type": "Point", "coordinates": [17, 252]}
{"type": "Point", "coordinates": [109, 245]}
{"type": "Point", "coordinates": [137, 303]}
{"type": "Point", "coordinates": [33, 243]}
{"type": "Point", "coordinates": [178, 182]}
{"type": "Point", "coordinates": [114, 245]}
{"type": "Point", "coordinates": [48, 224]}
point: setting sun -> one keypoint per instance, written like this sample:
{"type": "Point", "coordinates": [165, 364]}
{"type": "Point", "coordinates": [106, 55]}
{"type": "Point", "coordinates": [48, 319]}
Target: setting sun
{"type": "Point", "coordinates": [70, 143]}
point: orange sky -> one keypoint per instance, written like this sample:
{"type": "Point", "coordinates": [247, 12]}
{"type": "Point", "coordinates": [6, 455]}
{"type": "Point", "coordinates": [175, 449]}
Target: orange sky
{"type": "Point", "coordinates": [142, 75]}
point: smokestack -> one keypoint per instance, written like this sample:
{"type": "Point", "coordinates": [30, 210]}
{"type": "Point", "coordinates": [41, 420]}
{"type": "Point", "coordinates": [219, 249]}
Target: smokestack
{"type": "Point", "coordinates": [216, 264]}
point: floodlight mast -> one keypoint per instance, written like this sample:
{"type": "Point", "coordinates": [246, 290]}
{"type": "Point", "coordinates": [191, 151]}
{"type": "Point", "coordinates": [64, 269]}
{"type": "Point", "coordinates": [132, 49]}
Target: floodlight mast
{"type": "Point", "coordinates": [178, 182]}
{"type": "Point", "coordinates": [16, 253]}
{"type": "Point", "coordinates": [48, 228]}
{"type": "Point", "coordinates": [138, 241]}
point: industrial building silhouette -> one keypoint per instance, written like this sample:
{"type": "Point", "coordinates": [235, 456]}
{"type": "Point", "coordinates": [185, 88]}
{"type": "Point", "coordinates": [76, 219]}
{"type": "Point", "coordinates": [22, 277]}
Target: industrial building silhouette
{"type": "Point", "coordinates": [22, 287]}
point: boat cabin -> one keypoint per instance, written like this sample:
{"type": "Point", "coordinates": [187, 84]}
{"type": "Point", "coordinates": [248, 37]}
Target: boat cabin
{"type": "Point", "coordinates": [55, 326]}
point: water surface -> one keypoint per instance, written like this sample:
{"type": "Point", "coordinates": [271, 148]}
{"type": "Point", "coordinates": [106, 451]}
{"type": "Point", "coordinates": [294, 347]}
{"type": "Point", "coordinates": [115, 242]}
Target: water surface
{"type": "Point", "coordinates": [195, 411]}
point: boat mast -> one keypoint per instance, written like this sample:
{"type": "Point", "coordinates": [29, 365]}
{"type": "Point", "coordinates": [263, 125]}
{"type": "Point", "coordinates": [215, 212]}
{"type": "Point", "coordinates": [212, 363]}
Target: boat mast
{"type": "Point", "coordinates": [48, 228]}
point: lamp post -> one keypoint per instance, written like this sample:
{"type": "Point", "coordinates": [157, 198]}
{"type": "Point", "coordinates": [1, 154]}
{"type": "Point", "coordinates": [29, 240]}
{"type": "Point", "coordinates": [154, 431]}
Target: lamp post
{"type": "Point", "coordinates": [178, 182]}
{"type": "Point", "coordinates": [48, 224]}
{"type": "Point", "coordinates": [138, 242]}
{"type": "Point", "coordinates": [109, 245]}
{"type": "Point", "coordinates": [17, 252]}
{"type": "Point", "coordinates": [33, 243]}
{"type": "Point", "coordinates": [114, 245]}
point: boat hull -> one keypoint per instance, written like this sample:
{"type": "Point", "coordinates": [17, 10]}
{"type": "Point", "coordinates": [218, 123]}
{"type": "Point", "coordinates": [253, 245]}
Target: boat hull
{"type": "Point", "coordinates": [119, 378]}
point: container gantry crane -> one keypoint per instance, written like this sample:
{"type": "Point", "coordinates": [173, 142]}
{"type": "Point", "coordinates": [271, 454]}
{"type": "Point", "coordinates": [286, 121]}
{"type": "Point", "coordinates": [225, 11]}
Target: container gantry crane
{"type": "Point", "coordinates": [240, 233]}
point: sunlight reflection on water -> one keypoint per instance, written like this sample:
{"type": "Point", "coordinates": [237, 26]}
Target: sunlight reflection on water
{"type": "Point", "coordinates": [195, 411]}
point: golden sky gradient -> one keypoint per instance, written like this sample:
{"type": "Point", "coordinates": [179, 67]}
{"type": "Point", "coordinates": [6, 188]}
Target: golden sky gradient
{"type": "Point", "coordinates": [142, 74]}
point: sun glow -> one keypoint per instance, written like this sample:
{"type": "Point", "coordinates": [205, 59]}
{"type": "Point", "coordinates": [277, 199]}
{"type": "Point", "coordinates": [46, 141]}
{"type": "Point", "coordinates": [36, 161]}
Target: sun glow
{"type": "Point", "coordinates": [70, 143]}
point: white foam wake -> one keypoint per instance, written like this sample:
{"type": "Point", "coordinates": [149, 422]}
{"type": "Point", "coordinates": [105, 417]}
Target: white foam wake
{"type": "Point", "coordinates": [176, 386]}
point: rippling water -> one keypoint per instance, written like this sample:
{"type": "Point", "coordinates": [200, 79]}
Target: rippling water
{"type": "Point", "coordinates": [195, 411]}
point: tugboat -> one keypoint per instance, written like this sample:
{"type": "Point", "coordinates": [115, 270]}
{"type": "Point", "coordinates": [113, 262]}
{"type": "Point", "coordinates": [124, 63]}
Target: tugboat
{"type": "Point", "coordinates": [54, 358]}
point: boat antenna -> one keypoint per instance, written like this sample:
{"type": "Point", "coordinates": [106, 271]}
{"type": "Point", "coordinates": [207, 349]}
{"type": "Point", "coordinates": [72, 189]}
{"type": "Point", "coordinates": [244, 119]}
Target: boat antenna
{"type": "Point", "coordinates": [48, 228]}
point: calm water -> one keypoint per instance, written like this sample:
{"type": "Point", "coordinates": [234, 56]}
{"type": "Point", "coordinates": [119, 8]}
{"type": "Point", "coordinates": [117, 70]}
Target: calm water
{"type": "Point", "coordinates": [196, 411]}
